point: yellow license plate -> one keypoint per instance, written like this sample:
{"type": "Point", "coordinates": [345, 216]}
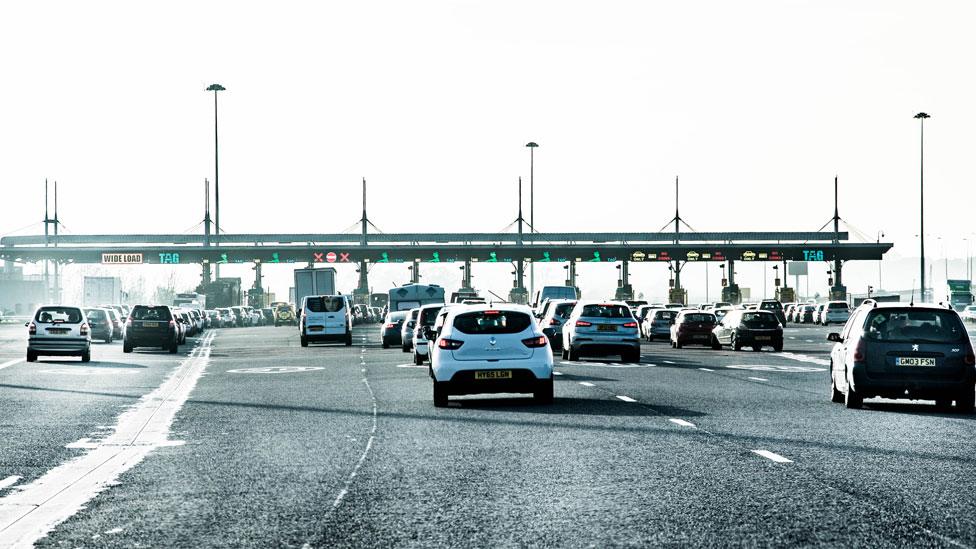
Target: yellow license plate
{"type": "Point", "coordinates": [914, 361]}
{"type": "Point", "coordinates": [150, 325]}
{"type": "Point", "coordinates": [494, 374]}
{"type": "Point", "coordinates": [607, 328]}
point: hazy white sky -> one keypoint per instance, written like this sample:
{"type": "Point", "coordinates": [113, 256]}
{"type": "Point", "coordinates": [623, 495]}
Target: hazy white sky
{"type": "Point", "coordinates": [756, 105]}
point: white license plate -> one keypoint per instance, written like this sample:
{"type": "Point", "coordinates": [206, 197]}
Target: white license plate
{"type": "Point", "coordinates": [763, 338]}
{"type": "Point", "coordinates": [914, 361]}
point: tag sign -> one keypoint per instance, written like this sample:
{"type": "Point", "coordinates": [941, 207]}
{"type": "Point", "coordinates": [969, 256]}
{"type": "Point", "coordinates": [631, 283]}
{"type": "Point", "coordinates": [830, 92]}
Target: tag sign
{"type": "Point", "coordinates": [121, 259]}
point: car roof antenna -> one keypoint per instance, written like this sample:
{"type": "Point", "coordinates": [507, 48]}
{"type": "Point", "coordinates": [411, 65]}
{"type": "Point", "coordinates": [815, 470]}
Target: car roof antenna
{"type": "Point", "coordinates": [912, 303]}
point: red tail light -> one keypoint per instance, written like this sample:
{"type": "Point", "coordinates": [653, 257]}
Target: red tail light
{"type": "Point", "coordinates": [449, 344]}
{"type": "Point", "coordinates": [534, 342]}
{"type": "Point", "coordinates": [859, 351]}
{"type": "Point", "coordinates": [970, 358]}
{"type": "Point", "coordinates": [493, 312]}
{"type": "Point", "coordinates": [32, 329]}
{"type": "Point", "coordinates": [583, 323]}
{"type": "Point", "coordinates": [391, 325]}
{"type": "Point", "coordinates": [128, 322]}
{"type": "Point", "coordinates": [630, 325]}
{"type": "Point", "coordinates": [172, 323]}
{"type": "Point", "coordinates": [84, 329]}
{"type": "Point", "coordinates": [554, 322]}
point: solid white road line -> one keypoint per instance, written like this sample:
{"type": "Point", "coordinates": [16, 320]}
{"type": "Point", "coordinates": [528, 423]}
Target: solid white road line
{"type": "Point", "coordinates": [758, 379]}
{"type": "Point", "coordinates": [586, 384]}
{"type": "Point", "coordinates": [667, 361]}
{"type": "Point", "coordinates": [8, 482]}
{"type": "Point", "coordinates": [626, 398]}
{"type": "Point", "coordinates": [29, 514]}
{"type": "Point", "coordinates": [557, 373]}
{"type": "Point", "coordinates": [706, 370]}
{"type": "Point", "coordinates": [10, 363]}
{"type": "Point", "coordinates": [775, 457]}
{"type": "Point", "coordinates": [682, 422]}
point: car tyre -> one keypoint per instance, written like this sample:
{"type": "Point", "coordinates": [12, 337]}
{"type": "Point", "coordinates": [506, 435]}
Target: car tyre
{"type": "Point", "coordinates": [440, 394]}
{"type": "Point", "coordinates": [736, 346]}
{"type": "Point", "coordinates": [677, 344]}
{"type": "Point", "coordinates": [631, 356]}
{"type": "Point", "coordinates": [385, 344]}
{"type": "Point", "coordinates": [574, 355]}
{"type": "Point", "coordinates": [86, 356]}
{"type": "Point", "coordinates": [835, 396]}
{"type": "Point", "coordinates": [716, 346]}
{"type": "Point", "coordinates": [417, 359]}
{"type": "Point", "coordinates": [126, 347]}
{"type": "Point", "coordinates": [565, 354]}
{"type": "Point", "coordinates": [304, 341]}
{"type": "Point", "coordinates": [756, 348]}
{"type": "Point", "coordinates": [778, 348]}
{"type": "Point", "coordinates": [544, 392]}
{"type": "Point", "coordinates": [174, 348]}
{"type": "Point", "coordinates": [108, 340]}
{"type": "Point", "coordinates": [405, 348]}
{"type": "Point", "coordinates": [348, 339]}
{"type": "Point", "coordinates": [966, 402]}
{"type": "Point", "coordinates": [31, 356]}
{"type": "Point", "coordinates": [852, 399]}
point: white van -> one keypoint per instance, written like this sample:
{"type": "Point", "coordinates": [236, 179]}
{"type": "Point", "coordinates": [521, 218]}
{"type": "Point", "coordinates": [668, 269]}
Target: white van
{"type": "Point", "coordinates": [325, 318]}
{"type": "Point", "coordinates": [553, 292]}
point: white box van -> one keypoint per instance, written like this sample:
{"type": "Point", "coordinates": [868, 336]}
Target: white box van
{"type": "Point", "coordinates": [325, 318]}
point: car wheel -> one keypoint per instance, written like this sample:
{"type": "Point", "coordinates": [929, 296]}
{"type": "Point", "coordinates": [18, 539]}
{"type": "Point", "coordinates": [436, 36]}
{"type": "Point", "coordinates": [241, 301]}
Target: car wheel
{"type": "Point", "coordinates": [304, 341]}
{"type": "Point", "coordinates": [716, 346]}
{"type": "Point", "coordinates": [736, 346]}
{"type": "Point", "coordinates": [677, 344]}
{"type": "Point", "coordinates": [631, 356]}
{"type": "Point", "coordinates": [417, 359]}
{"type": "Point", "coordinates": [565, 354]}
{"type": "Point", "coordinates": [852, 399]}
{"type": "Point", "coordinates": [574, 356]}
{"type": "Point", "coordinates": [966, 402]}
{"type": "Point", "coordinates": [835, 396]}
{"type": "Point", "coordinates": [943, 404]}
{"type": "Point", "coordinates": [756, 348]}
{"type": "Point", "coordinates": [385, 344]}
{"type": "Point", "coordinates": [174, 348]}
{"type": "Point", "coordinates": [440, 395]}
{"type": "Point", "coordinates": [86, 356]}
{"type": "Point", "coordinates": [405, 348]}
{"type": "Point", "coordinates": [348, 339]}
{"type": "Point", "coordinates": [126, 348]}
{"type": "Point", "coordinates": [543, 393]}
{"type": "Point", "coordinates": [31, 356]}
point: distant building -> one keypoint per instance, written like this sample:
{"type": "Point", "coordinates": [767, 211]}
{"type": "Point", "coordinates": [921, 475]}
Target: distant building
{"type": "Point", "coordinates": [20, 294]}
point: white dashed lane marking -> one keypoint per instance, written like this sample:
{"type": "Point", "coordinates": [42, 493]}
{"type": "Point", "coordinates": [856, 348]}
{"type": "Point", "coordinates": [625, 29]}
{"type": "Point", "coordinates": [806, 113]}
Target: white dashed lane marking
{"type": "Point", "coordinates": [586, 384]}
{"type": "Point", "coordinates": [557, 373]}
{"type": "Point", "coordinates": [771, 456]}
{"type": "Point", "coordinates": [626, 398]}
{"type": "Point", "coordinates": [667, 361]}
{"type": "Point", "coordinates": [10, 363]}
{"type": "Point", "coordinates": [758, 379]}
{"type": "Point", "coordinates": [682, 422]}
{"type": "Point", "coordinates": [8, 482]}
{"type": "Point", "coordinates": [706, 370]}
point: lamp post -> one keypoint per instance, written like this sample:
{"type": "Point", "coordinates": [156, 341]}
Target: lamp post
{"type": "Point", "coordinates": [880, 236]}
{"type": "Point", "coordinates": [921, 202]}
{"type": "Point", "coordinates": [216, 88]}
{"type": "Point", "coordinates": [532, 145]}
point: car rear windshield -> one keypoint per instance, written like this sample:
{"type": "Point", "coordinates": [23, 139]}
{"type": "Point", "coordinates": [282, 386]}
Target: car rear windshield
{"type": "Point", "coordinates": [665, 315]}
{"type": "Point", "coordinates": [95, 314]}
{"type": "Point", "coordinates": [759, 320]}
{"type": "Point", "coordinates": [842, 306]}
{"type": "Point", "coordinates": [605, 311]}
{"type": "Point", "coordinates": [563, 310]}
{"type": "Point", "coordinates": [492, 322]}
{"type": "Point", "coordinates": [699, 317]}
{"type": "Point", "coordinates": [325, 304]}
{"type": "Point", "coordinates": [396, 317]}
{"type": "Point", "coordinates": [915, 326]}
{"type": "Point", "coordinates": [771, 306]}
{"type": "Point", "coordinates": [151, 313]}
{"type": "Point", "coordinates": [428, 316]}
{"type": "Point", "coordinates": [67, 315]}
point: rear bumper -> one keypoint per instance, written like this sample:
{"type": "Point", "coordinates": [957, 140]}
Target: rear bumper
{"type": "Point", "coordinates": [58, 346]}
{"type": "Point", "coordinates": [691, 338]}
{"type": "Point", "coordinates": [910, 386]}
{"type": "Point", "coordinates": [150, 340]}
{"type": "Point", "coordinates": [326, 336]}
{"type": "Point", "coordinates": [391, 338]}
{"type": "Point", "coordinates": [526, 374]}
{"type": "Point", "coordinates": [748, 339]}
{"type": "Point", "coordinates": [603, 347]}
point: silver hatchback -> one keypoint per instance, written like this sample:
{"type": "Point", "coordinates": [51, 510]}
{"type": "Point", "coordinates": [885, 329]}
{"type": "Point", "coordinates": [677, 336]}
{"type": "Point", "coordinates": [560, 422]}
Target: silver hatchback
{"type": "Point", "coordinates": [58, 330]}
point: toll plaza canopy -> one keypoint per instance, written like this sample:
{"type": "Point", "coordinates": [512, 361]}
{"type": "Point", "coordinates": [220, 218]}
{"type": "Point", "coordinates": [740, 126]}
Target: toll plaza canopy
{"type": "Point", "coordinates": [439, 247]}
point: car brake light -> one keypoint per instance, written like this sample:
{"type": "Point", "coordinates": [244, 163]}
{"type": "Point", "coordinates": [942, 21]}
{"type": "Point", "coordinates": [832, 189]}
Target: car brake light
{"type": "Point", "coordinates": [84, 329]}
{"type": "Point", "coordinates": [630, 325]}
{"type": "Point", "coordinates": [449, 344]}
{"type": "Point", "coordinates": [554, 322]}
{"type": "Point", "coordinates": [970, 358]}
{"type": "Point", "coordinates": [391, 325]}
{"type": "Point", "coordinates": [533, 342]}
{"type": "Point", "coordinates": [172, 323]}
{"type": "Point", "coordinates": [583, 323]}
{"type": "Point", "coordinates": [128, 321]}
{"type": "Point", "coordinates": [859, 351]}
{"type": "Point", "coordinates": [32, 329]}
{"type": "Point", "coordinates": [493, 312]}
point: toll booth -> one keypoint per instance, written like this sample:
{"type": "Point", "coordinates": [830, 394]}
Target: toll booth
{"type": "Point", "coordinates": [785, 295]}
{"type": "Point", "coordinates": [731, 294]}
{"type": "Point", "coordinates": [678, 295]}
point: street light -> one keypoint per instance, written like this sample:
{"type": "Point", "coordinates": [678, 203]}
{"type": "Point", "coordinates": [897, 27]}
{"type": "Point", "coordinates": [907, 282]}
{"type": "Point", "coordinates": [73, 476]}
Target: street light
{"type": "Point", "coordinates": [880, 236]}
{"type": "Point", "coordinates": [216, 88]}
{"type": "Point", "coordinates": [532, 146]}
{"type": "Point", "coordinates": [921, 203]}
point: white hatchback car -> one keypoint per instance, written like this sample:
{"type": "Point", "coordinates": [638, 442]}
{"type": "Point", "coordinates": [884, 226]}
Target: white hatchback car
{"type": "Point", "coordinates": [426, 317]}
{"type": "Point", "coordinates": [57, 330]}
{"type": "Point", "coordinates": [490, 349]}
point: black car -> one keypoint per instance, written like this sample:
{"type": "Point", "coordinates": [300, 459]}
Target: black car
{"type": "Point", "coordinates": [748, 328]}
{"type": "Point", "coordinates": [101, 324]}
{"type": "Point", "coordinates": [151, 326]}
{"type": "Point", "coordinates": [392, 325]}
{"type": "Point", "coordinates": [775, 307]}
{"type": "Point", "coordinates": [918, 352]}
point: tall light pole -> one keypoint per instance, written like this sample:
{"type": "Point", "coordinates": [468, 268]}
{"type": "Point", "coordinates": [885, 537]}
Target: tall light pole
{"type": "Point", "coordinates": [216, 88]}
{"type": "Point", "coordinates": [880, 236]}
{"type": "Point", "coordinates": [532, 146]}
{"type": "Point", "coordinates": [921, 202]}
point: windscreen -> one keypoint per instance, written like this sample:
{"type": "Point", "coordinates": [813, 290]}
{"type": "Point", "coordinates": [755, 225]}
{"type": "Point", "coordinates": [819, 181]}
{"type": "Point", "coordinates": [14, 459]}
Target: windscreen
{"type": "Point", "coordinates": [915, 326]}
{"type": "Point", "coordinates": [837, 306]}
{"type": "Point", "coordinates": [151, 313]}
{"type": "Point", "coordinates": [325, 304]}
{"type": "Point", "coordinates": [428, 316]}
{"type": "Point", "coordinates": [759, 320]}
{"type": "Point", "coordinates": [396, 317]}
{"type": "Point", "coordinates": [96, 314]}
{"type": "Point", "coordinates": [699, 318]}
{"type": "Point", "coordinates": [68, 315]}
{"type": "Point", "coordinates": [665, 315]}
{"type": "Point", "coordinates": [771, 306]}
{"type": "Point", "coordinates": [606, 311]}
{"type": "Point", "coordinates": [492, 322]}
{"type": "Point", "coordinates": [563, 310]}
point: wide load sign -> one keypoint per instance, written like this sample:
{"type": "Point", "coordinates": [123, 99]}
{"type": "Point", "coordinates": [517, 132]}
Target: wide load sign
{"type": "Point", "coordinates": [121, 259]}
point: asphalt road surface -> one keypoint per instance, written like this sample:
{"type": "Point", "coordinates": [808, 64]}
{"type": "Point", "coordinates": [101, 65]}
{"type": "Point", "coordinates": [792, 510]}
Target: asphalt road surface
{"type": "Point", "coordinates": [247, 439]}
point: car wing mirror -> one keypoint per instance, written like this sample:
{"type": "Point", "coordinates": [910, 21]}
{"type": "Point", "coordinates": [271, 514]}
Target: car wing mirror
{"type": "Point", "coordinates": [835, 337]}
{"type": "Point", "coordinates": [27, 324]}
